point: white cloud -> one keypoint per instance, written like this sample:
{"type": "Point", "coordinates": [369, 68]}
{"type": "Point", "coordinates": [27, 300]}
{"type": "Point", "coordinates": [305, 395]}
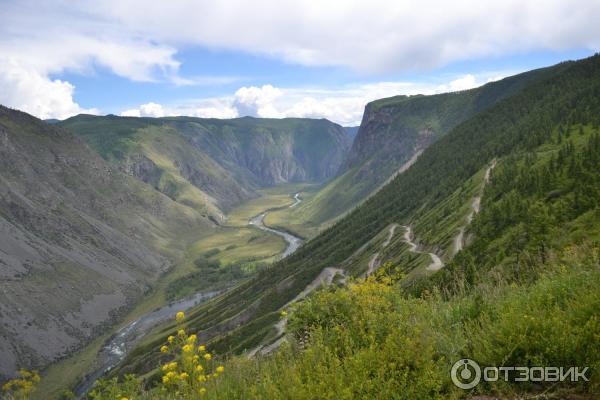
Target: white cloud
{"type": "Point", "coordinates": [257, 102]}
{"type": "Point", "coordinates": [378, 35]}
{"type": "Point", "coordinates": [28, 90]}
{"type": "Point", "coordinates": [153, 110]}
{"type": "Point", "coordinates": [139, 40]}
{"type": "Point", "coordinates": [344, 106]}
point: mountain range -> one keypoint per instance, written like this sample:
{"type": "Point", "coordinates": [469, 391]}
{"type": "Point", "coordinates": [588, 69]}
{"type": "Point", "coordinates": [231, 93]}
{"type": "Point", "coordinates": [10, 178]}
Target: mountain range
{"type": "Point", "coordinates": [453, 225]}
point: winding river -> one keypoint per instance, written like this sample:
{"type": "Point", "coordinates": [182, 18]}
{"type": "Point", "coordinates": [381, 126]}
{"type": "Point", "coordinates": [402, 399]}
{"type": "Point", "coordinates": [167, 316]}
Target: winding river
{"type": "Point", "coordinates": [293, 242]}
{"type": "Point", "coordinates": [117, 347]}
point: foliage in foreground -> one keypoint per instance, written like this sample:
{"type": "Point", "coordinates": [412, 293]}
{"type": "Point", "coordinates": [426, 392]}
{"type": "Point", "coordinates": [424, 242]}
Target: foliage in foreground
{"type": "Point", "coordinates": [372, 341]}
{"type": "Point", "coordinates": [188, 371]}
{"type": "Point", "coordinates": [21, 387]}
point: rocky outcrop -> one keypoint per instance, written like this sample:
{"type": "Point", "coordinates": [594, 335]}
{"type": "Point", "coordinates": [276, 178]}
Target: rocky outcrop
{"type": "Point", "coordinates": [141, 167]}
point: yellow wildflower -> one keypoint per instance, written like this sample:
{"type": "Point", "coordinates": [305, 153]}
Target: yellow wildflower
{"type": "Point", "coordinates": [165, 379]}
{"type": "Point", "coordinates": [170, 339]}
{"type": "Point", "coordinates": [199, 368]}
{"type": "Point", "coordinates": [201, 348]}
{"type": "Point", "coordinates": [220, 368]}
{"type": "Point", "coordinates": [284, 314]}
{"type": "Point", "coordinates": [164, 349]}
{"type": "Point", "coordinates": [180, 316]}
{"type": "Point", "coordinates": [207, 356]}
{"type": "Point", "coordinates": [202, 390]}
{"type": "Point", "coordinates": [183, 376]}
{"type": "Point", "coordinates": [187, 348]}
{"type": "Point", "coordinates": [172, 365]}
{"type": "Point", "coordinates": [181, 333]}
{"type": "Point", "coordinates": [195, 358]}
{"type": "Point", "coordinates": [192, 338]}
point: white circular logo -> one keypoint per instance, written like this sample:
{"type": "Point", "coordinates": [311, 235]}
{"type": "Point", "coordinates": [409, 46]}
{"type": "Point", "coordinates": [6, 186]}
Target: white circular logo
{"type": "Point", "coordinates": [465, 374]}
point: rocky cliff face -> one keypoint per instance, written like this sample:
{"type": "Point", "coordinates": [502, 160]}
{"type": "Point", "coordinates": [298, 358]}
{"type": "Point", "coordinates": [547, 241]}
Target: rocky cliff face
{"type": "Point", "coordinates": [267, 152]}
{"type": "Point", "coordinates": [385, 142]}
{"type": "Point", "coordinates": [79, 240]}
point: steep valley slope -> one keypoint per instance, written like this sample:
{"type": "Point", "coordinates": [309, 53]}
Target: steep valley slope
{"type": "Point", "coordinates": [93, 210]}
{"type": "Point", "coordinates": [80, 242]}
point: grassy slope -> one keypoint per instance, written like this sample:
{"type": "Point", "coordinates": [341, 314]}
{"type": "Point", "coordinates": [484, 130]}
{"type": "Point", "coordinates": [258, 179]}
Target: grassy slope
{"type": "Point", "coordinates": [175, 168]}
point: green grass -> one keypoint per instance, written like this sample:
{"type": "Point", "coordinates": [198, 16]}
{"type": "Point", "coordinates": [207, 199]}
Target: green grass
{"type": "Point", "coordinates": [251, 244]}
{"type": "Point", "coordinates": [372, 341]}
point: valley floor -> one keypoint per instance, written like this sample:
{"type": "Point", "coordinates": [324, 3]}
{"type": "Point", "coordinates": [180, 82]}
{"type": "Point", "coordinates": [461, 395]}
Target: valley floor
{"type": "Point", "coordinates": [235, 243]}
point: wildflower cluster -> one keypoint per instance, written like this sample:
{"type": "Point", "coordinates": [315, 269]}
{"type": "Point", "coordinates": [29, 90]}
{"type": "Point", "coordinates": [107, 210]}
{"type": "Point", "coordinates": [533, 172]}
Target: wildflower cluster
{"type": "Point", "coordinates": [188, 372]}
{"type": "Point", "coordinates": [23, 386]}
{"type": "Point", "coordinates": [191, 368]}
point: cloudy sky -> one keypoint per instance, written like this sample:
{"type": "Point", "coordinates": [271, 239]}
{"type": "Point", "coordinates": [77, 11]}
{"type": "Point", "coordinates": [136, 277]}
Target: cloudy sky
{"type": "Point", "coordinates": [274, 58]}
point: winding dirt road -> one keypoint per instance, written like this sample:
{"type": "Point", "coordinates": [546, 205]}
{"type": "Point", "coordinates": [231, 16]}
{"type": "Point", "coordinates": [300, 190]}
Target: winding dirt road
{"type": "Point", "coordinates": [475, 207]}
{"type": "Point", "coordinates": [436, 261]}
{"type": "Point", "coordinates": [374, 262]}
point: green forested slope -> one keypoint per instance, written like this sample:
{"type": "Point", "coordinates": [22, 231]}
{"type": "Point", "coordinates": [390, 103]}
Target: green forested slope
{"type": "Point", "coordinates": [394, 129]}
{"type": "Point", "coordinates": [513, 127]}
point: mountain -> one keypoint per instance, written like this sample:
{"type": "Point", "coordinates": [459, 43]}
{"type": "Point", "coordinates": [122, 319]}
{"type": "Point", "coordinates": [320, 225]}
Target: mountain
{"type": "Point", "coordinates": [80, 242]}
{"type": "Point", "coordinates": [486, 247]}
{"type": "Point", "coordinates": [213, 165]}
{"type": "Point", "coordinates": [395, 130]}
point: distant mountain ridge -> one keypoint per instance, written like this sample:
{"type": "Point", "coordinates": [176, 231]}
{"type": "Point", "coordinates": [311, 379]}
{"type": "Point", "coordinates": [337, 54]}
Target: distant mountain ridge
{"type": "Point", "coordinates": [214, 164]}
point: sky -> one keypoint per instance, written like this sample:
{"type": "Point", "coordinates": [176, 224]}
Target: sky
{"type": "Point", "coordinates": [272, 59]}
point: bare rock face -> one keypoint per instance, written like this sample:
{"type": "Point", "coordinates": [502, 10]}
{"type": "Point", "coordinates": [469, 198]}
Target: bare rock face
{"type": "Point", "coordinates": [77, 241]}
{"type": "Point", "coordinates": [141, 167]}
{"type": "Point", "coordinates": [263, 152]}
